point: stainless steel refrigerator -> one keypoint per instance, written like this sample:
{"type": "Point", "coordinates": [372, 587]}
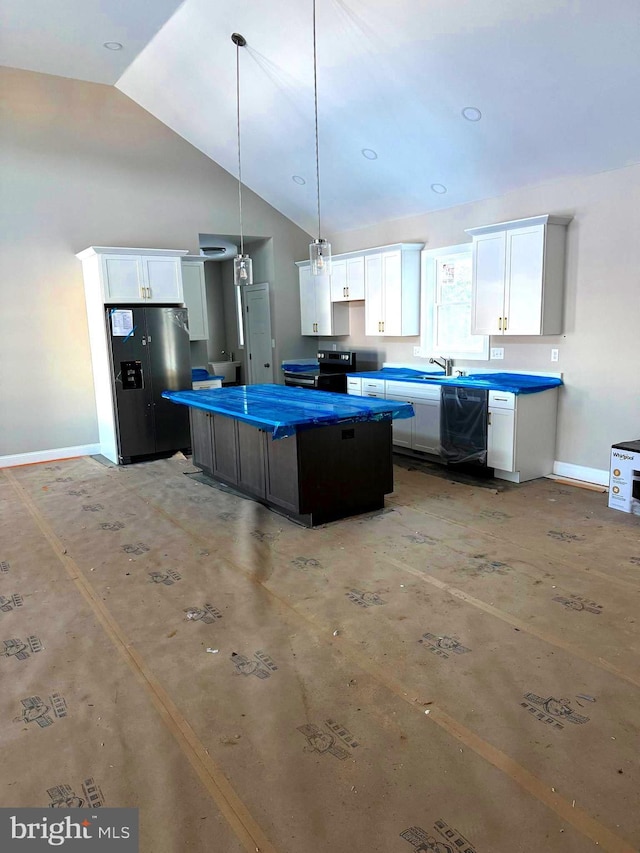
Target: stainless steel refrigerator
{"type": "Point", "coordinates": [149, 354]}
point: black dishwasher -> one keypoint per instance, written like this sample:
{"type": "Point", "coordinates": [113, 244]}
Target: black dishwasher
{"type": "Point", "coordinates": [463, 426]}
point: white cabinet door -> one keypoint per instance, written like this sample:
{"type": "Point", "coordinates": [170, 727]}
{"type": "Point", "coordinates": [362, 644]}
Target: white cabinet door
{"type": "Point", "coordinates": [373, 309]}
{"type": "Point", "coordinates": [318, 315]}
{"type": "Point", "coordinates": [392, 293]}
{"type": "Point", "coordinates": [524, 276]}
{"type": "Point", "coordinates": [347, 279]}
{"type": "Point", "coordinates": [163, 279]}
{"type": "Point", "coordinates": [123, 278]}
{"type": "Point", "coordinates": [339, 281]}
{"type": "Point", "coordinates": [355, 278]}
{"type": "Point", "coordinates": [195, 298]}
{"type": "Point", "coordinates": [307, 302]}
{"type": "Point", "coordinates": [401, 429]}
{"type": "Point", "coordinates": [501, 439]}
{"type": "Point", "coordinates": [324, 315]}
{"type": "Point", "coordinates": [426, 426]}
{"type": "Point", "coordinates": [488, 284]}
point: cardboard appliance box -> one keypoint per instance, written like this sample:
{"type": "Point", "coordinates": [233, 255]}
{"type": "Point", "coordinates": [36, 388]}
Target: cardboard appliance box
{"type": "Point", "coordinates": [624, 477]}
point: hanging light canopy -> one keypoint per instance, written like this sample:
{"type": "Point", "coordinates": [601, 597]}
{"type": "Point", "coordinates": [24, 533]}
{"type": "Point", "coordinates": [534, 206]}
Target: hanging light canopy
{"type": "Point", "coordinates": [242, 264]}
{"type": "Point", "coordinates": [319, 249]}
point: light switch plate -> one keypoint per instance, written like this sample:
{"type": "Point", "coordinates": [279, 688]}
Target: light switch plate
{"type": "Point", "coordinates": [417, 351]}
{"type": "Point", "coordinates": [554, 354]}
{"type": "Point", "coordinates": [497, 352]}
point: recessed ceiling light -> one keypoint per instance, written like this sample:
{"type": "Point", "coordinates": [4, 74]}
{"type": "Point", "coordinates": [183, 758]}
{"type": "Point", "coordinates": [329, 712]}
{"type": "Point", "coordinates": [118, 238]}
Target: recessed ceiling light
{"type": "Point", "coordinates": [471, 114]}
{"type": "Point", "coordinates": [438, 188]}
{"type": "Point", "coordinates": [369, 153]}
{"type": "Point", "coordinates": [112, 45]}
{"type": "Point", "coordinates": [298, 180]}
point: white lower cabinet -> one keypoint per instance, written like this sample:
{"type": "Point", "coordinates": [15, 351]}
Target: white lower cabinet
{"type": "Point", "coordinates": [422, 432]}
{"type": "Point", "coordinates": [373, 388]}
{"type": "Point", "coordinates": [501, 432]}
{"type": "Point", "coordinates": [354, 385]}
{"type": "Point", "coordinates": [521, 434]}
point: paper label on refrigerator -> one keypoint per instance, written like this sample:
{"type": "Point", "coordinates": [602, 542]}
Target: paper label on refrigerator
{"type": "Point", "coordinates": [121, 323]}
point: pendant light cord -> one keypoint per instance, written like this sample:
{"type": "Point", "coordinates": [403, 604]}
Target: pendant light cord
{"type": "Point", "coordinates": [315, 94]}
{"type": "Point", "coordinates": [239, 158]}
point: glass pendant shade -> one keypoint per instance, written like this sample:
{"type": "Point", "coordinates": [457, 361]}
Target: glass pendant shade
{"type": "Point", "coordinates": [320, 255]}
{"type": "Point", "coordinates": [242, 270]}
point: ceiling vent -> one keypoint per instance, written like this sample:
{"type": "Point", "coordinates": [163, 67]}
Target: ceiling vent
{"type": "Point", "coordinates": [217, 248]}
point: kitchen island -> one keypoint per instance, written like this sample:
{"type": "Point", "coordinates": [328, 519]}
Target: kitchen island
{"type": "Point", "coordinates": [312, 455]}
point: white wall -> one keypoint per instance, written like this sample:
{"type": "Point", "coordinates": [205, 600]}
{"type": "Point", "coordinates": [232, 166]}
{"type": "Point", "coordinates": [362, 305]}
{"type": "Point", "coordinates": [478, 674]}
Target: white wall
{"type": "Point", "coordinates": [600, 347]}
{"type": "Point", "coordinates": [84, 165]}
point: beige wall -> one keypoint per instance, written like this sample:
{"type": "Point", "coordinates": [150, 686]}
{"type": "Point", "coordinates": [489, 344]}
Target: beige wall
{"type": "Point", "coordinates": [83, 165]}
{"type": "Point", "coordinates": [600, 347]}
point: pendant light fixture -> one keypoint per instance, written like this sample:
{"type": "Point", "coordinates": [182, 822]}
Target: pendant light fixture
{"type": "Point", "coordinates": [319, 249]}
{"type": "Point", "coordinates": [242, 264]}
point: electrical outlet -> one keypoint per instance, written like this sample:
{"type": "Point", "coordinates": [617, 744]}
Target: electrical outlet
{"type": "Point", "coordinates": [554, 354]}
{"type": "Point", "coordinates": [497, 352]}
{"type": "Point", "coordinates": [334, 347]}
{"type": "Point", "coordinates": [417, 351]}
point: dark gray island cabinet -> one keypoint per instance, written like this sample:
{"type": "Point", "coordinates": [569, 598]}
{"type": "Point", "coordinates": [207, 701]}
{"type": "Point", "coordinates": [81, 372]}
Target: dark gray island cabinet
{"type": "Point", "coordinates": [319, 474]}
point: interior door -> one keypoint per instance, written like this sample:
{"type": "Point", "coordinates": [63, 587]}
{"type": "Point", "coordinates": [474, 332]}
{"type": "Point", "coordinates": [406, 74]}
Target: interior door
{"type": "Point", "coordinates": [170, 363]}
{"type": "Point", "coordinates": [257, 314]}
{"type": "Point", "coordinates": [131, 378]}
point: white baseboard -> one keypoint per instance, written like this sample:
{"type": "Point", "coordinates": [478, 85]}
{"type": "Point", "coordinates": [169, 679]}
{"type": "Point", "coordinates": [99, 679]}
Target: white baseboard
{"type": "Point", "coordinates": [579, 472]}
{"type": "Point", "coordinates": [48, 455]}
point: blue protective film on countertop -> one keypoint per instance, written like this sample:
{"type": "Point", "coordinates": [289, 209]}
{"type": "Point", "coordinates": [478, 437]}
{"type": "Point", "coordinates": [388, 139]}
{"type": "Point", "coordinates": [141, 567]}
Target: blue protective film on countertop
{"type": "Point", "coordinates": [516, 383]}
{"type": "Point", "coordinates": [301, 365]}
{"type": "Point", "coordinates": [200, 374]}
{"type": "Point", "coordinates": [284, 410]}
{"type": "Point", "coordinates": [397, 373]}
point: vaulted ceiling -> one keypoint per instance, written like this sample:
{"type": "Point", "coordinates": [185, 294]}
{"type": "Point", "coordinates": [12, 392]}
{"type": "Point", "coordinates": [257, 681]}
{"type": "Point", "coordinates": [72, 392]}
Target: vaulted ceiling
{"type": "Point", "coordinates": [556, 83]}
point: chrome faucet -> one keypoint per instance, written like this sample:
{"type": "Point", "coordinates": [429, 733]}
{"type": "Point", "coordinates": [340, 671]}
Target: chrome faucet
{"type": "Point", "coordinates": [446, 364]}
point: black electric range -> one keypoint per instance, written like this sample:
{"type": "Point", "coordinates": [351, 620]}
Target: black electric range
{"type": "Point", "coordinates": [330, 375]}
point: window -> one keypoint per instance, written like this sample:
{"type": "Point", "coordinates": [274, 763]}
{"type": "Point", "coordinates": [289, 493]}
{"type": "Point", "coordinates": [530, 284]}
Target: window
{"type": "Point", "coordinates": [446, 305]}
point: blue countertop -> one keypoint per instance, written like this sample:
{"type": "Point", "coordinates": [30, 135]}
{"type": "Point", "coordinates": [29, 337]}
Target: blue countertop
{"type": "Point", "coordinates": [516, 383]}
{"type": "Point", "coordinates": [397, 374]}
{"type": "Point", "coordinates": [284, 410]}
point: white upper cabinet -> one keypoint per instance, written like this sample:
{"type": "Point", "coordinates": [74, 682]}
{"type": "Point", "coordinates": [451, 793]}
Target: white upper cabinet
{"type": "Point", "coordinates": [318, 315]}
{"type": "Point", "coordinates": [392, 290]}
{"type": "Point", "coordinates": [195, 298]}
{"type": "Point", "coordinates": [136, 275]}
{"type": "Point", "coordinates": [347, 279]}
{"type": "Point", "coordinates": [518, 276]}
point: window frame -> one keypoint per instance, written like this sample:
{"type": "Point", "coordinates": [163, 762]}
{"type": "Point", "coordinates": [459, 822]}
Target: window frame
{"type": "Point", "coordinates": [429, 305]}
